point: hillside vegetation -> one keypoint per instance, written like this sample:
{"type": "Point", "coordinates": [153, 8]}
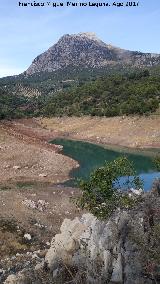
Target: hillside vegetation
{"type": "Point", "coordinates": [11, 106]}
{"type": "Point", "coordinates": [137, 93]}
{"type": "Point", "coordinates": [108, 95]}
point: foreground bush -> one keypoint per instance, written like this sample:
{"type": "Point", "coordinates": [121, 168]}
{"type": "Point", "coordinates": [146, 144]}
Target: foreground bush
{"type": "Point", "coordinates": [104, 192]}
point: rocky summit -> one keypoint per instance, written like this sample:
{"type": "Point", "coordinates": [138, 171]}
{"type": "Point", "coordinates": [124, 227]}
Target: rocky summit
{"type": "Point", "coordinates": [86, 50]}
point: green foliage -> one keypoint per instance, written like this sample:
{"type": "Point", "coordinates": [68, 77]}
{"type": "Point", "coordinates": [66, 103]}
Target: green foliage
{"type": "Point", "coordinates": [11, 106]}
{"type": "Point", "coordinates": [157, 163]}
{"type": "Point", "coordinates": [103, 193]}
{"type": "Point", "coordinates": [104, 92]}
{"type": "Point", "coordinates": [136, 93]}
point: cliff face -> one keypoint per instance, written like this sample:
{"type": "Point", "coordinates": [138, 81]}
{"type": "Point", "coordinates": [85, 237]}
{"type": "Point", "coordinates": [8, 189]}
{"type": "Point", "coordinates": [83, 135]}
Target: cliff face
{"type": "Point", "coordinates": [86, 50]}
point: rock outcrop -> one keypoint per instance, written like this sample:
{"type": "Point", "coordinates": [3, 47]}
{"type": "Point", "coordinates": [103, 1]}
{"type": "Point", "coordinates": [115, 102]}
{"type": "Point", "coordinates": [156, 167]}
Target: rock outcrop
{"type": "Point", "coordinates": [110, 251]}
{"type": "Point", "coordinates": [121, 250]}
{"type": "Point", "coordinates": [95, 247]}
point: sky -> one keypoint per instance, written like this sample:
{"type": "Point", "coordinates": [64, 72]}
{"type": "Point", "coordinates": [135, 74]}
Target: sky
{"type": "Point", "coordinates": [26, 32]}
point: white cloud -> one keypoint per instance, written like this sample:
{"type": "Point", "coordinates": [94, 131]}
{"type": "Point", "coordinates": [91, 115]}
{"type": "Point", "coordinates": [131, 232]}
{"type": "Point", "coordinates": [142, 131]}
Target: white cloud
{"type": "Point", "coordinates": [9, 71]}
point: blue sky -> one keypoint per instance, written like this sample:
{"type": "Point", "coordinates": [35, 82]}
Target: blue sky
{"type": "Point", "coordinates": [27, 32]}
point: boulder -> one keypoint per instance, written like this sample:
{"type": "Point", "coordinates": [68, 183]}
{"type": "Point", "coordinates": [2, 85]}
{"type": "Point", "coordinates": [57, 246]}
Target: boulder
{"type": "Point", "coordinates": [63, 245]}
{"type": "Point", "coordinates": [18, 278]}
{"type": "Point", "coordinates": [42, 175]}
{"type": "Point", "coordinates": [86, 242]}
{"type": "Point", "coordinates": [27, 237]}
{"type": "Point", "coordinates": [16, 167]}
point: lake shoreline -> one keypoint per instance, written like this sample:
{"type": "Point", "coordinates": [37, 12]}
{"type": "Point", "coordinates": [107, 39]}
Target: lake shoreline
{"type": "Point", "coordinates": [91, 156]}
{"type": "Point", "coordinates": [33, 131]}
{"type": "Point", "coordinates": [132, 133]}
{"type": "Point", "coordinates": [146, 151]}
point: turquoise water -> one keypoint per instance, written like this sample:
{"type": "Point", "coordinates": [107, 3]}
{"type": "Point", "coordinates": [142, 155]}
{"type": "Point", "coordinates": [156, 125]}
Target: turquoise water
{"type": "Point", "coordinates": [91, 156]}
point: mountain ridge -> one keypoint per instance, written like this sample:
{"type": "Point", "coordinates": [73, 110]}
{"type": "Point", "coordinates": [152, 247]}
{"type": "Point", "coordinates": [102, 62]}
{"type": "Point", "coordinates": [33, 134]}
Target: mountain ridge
{"type": "Point", "coordinates": [88, 51]}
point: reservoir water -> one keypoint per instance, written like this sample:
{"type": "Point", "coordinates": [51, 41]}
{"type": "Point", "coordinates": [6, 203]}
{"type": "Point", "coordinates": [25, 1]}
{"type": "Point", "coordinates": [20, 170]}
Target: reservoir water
{"type": "Point", "coordinates": [91, 156]}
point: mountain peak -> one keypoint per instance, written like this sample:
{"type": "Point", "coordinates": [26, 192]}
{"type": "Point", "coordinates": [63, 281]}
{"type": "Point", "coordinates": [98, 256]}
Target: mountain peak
{"type": "Point", "coordinates": [89, 35]}
{"type": "Point", "coordinates": [86, 50]}
{"type": "Point", "coordinates": [82, 35]}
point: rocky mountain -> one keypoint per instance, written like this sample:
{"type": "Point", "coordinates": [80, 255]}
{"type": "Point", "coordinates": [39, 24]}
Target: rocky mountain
{"type": "Point", "coordinates": [85, 50]}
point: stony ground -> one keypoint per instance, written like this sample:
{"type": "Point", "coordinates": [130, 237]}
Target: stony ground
{"type": "Point", "coordinates": [31, 202]}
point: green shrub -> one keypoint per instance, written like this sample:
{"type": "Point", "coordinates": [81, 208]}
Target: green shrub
{"type": "Point", "coordinates": [103, 193]}
{"type": "Point", "coordinates": [157, 163]}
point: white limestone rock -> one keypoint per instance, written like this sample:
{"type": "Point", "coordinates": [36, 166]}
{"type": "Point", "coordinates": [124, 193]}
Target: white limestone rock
{"type": "Point", "coordinates": [18, 278]}
{"type": "Point", "coordinates": [117, 276]}
{"type": "Point", "coordinates": [27, 237]}
{"type": "Point", "coordinates": [64, 245]}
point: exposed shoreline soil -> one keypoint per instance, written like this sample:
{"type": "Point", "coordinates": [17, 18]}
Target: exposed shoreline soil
{"type": "Point", "coordinates": [26, 153]}
{"type": "Point", "coordinates": [131, 132]}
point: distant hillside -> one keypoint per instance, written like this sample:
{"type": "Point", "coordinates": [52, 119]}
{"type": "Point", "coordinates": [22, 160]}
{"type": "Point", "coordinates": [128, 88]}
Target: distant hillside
{"type": "Point", "coordinates": [12, 105]}
{"type": "Point", "coordinates": [134, 93]}
{"type": "Point", "coordinates": [48, 83]}
{"type": "Point", "coordinates": [110, 95]}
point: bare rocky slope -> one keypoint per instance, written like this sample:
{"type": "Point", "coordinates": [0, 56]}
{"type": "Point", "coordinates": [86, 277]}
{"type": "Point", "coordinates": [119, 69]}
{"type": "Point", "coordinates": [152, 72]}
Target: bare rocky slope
{"type": "Point", "coordinates": [85, 50]}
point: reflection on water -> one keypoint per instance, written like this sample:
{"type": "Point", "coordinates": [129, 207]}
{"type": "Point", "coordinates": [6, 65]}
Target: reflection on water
{"type": "Point", "coordinates": [91, 156]}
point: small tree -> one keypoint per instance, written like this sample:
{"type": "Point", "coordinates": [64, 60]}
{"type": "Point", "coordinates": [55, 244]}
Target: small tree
{"type": "Point", "coordinates": [157, 163]}
{"type": "Point", "coordinates": [104, 192]}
